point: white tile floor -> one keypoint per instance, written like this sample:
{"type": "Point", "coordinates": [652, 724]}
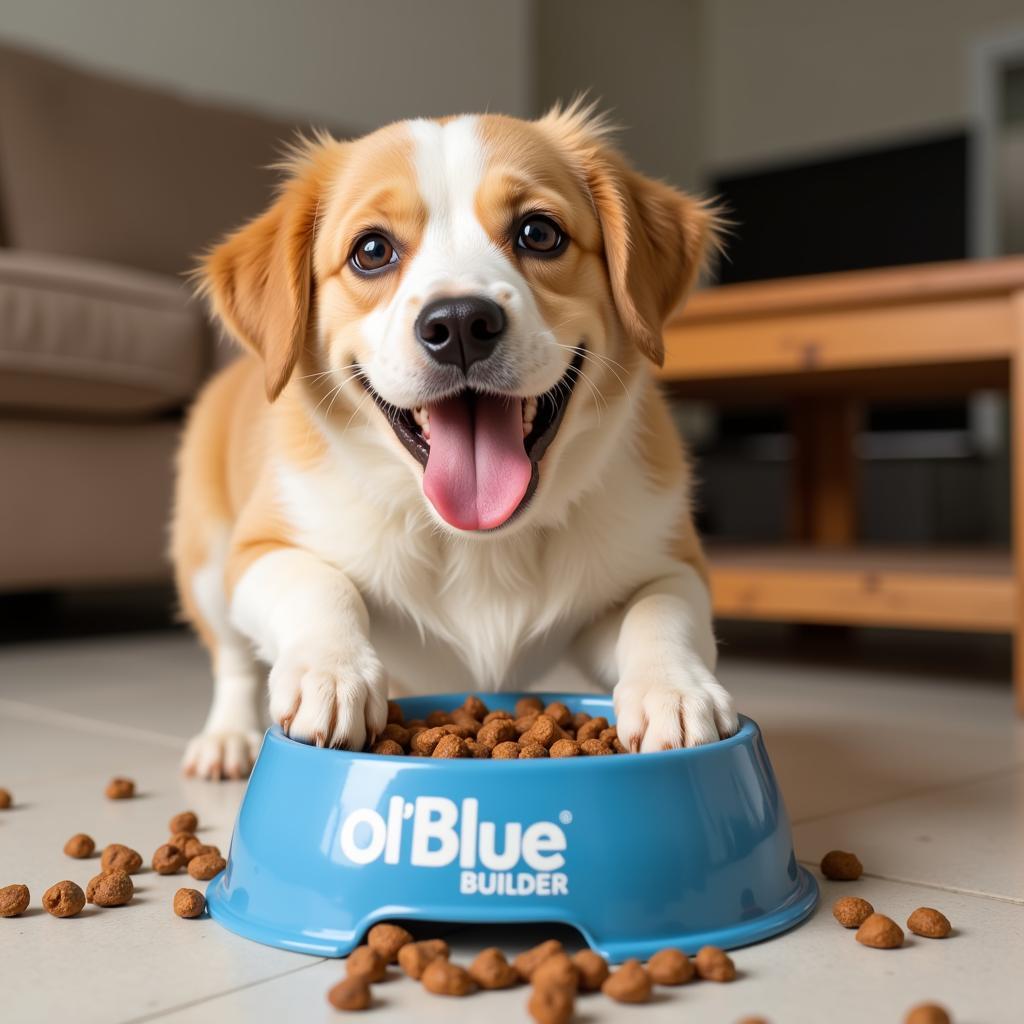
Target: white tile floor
{"type": "Point", "coordinates": [922, 775]}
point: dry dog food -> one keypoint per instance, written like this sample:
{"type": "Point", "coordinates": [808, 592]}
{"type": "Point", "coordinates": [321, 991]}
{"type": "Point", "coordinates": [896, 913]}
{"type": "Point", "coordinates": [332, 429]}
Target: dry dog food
{"type": "Point", "coordinates": [629, 984]}
{"type": "Point", "coordinates": [880, 932]}
{"type": "Point", "coordinates": [65, 899]}
{"type": "Point", "coordinates": [181, 841]}
{"type": "Point", "coordinates": [414, 957]}
{"type": "Point", "coordinates": [841, 866]}
{"type": "Point", "coordinates": [117, 855]}
{"type": "Point", "coordinates": [928, 1013]}
{"type": "Point", "coordinates": [714, 964]}
{"type": "Point", "coordinates": [367, 963]}
{"type": "Point", "coordinates": [929, 923]}
{"type": "Point", "coordinates": [474, 731]}
{"type": "Point", "coordinates": [446, 979]}
{"type": "Point", "coordinates": [168, 860]}
{"type": "Point", "coordinates": [387, 940]}
{"type": "Point", "coordinates": [592, 970]}
{"type": "Point", "coordinates": [526, 963]}
{"type": "Point", "coordinates": [206, 865]}
{"type": "Point", "coordinates": [351, 993]}
{"type": "Point", "coordinates": [851, 911]}
{"type": "Point", "coordinates": [189, 903]}
{"type": "Point", "coordinates": [186, 821]}
{"type": "Point", "coordinates": [110, 889]}
{"type": "Point", "coordinates": [194, 848]}
{"type": "Point", "coordinates": [14, 900]}
{"type": "Point", "coordinates": [80, 846]}
{"type": "Point", "coordinates": [670, 967]}
{"type": "Point", "coordinates": [490, 970]}
{"type": "Point", "coordinates": [556, 971]}
{"type": "Point", "coordinates": [551, 1005]}
{"type": "Point", "coordinates": [5, 799]}
{"type": "Point", "coordinates": [120, 789]}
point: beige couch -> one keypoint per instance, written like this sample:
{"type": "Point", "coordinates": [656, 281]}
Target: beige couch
{"type": "Point", "coordinates": [107, 192]}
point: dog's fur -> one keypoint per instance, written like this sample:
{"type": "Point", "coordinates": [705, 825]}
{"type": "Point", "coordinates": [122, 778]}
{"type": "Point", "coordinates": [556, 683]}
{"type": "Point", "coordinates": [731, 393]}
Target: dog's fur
{"type": "Point", "coordinates": [301, 526]}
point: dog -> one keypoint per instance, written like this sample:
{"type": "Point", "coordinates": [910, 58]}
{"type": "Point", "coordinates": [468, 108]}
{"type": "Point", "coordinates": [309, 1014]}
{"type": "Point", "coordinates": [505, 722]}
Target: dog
{"type": "Point", "coordinates": [444, 459]}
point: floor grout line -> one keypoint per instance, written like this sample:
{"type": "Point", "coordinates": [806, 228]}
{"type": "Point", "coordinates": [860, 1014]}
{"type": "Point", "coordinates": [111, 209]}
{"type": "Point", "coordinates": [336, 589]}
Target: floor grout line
{"type": "Point", "coordinates": [35, 713]}
{"type": "Point", "coordinates": [166, 1012]}
{"type": "Point", "coordinates": [932, 885]}
{"type": "Point", "coordinates": [912, 794]}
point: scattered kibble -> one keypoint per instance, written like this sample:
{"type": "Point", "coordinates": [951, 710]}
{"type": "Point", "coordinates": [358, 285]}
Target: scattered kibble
{"type": "Point", "coordinates": [387, 940]}
{"type": "Point", "coordinates": [189, 903]}
{"type": "Point", "coordinates": [670, 967]}
{"type": "Point", "coordinates": [110, 889]}
{"type": "Point", "coordinates": [592, 969]}
{"type": "Point", "coordinates": [852, 911]}
{"type": "Point", "coordinates": [80, 846]}
{"type": "Point", "coordinates": [168, 860]}
{"type": "Point", "coordinates": [14, 900]}
{"type": "Point", "coordinates": [928, 1013]}
{"type": "Point", "coordinates": [120, 789]}
{"type": "Point", "coordinates": [526, 963]}
{"type": "Point", "coordinates": [629, 984]}
{"type": "Point", "coordinates": [117, 855]}
{"type": "Point", "coordinates": [490, 970]}
{"type": "Point", "coordinates": [551, 1005]}
{"type": "Point", "coordinates": [414, 957]}
{"type": "Point", "coordinates": [841, 866]}
{"type": "Point", "coordinates": [65, 899]}
{"type": "Point", "coordinates": [558, 971]}
{"type": "Point", "coordinates": [351, 993]}
{"type": "Point", "coordinates": [186, 821]}
{"type": "Point", "coordinates": [443, 978]}
{"type": "Point", "coordinates": [206, 865]}
{"type": "Point", "coordinates": [929, 923]}
{"type": "Point", "coordinates": [367, 963]}
{"type": "Point", "coordinates": [880, 932]}
{"type": "Point", "coordinates": [714, 964]}
{"type": "Point", "coordinates": [6, 800]}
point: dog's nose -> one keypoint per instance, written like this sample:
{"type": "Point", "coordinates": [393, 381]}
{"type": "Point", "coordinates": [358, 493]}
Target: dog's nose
{"type": "Point", "coordinates": [461, 331]}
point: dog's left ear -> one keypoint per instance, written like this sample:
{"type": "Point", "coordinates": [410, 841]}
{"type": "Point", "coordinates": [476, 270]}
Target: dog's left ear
{"type": "Point", "coordinates": [656, 239]}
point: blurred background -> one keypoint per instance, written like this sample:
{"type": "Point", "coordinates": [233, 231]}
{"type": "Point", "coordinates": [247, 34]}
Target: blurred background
{"type": "Point", "coordinates": [853, 433]}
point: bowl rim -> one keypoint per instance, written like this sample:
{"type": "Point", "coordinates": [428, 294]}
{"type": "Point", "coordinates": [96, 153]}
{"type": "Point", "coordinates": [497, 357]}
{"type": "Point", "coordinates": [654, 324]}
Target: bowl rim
{"type": "Point", "coordinates": [746, 733]}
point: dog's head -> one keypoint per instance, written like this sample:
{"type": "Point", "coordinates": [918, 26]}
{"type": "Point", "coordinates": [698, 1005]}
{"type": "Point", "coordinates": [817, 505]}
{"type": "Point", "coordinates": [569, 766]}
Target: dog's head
{"type": "Point", "coordinates": [477, 286]}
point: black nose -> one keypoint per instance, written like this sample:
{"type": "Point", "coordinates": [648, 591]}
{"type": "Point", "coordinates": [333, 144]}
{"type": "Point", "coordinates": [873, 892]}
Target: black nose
{"type": "Point", "coordinates": [460, 331]}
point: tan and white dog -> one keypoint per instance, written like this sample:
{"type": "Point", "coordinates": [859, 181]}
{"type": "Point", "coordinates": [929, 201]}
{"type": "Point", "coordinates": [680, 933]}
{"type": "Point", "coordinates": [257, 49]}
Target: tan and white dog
{"type": "Point", "coordinates": [445, 459]}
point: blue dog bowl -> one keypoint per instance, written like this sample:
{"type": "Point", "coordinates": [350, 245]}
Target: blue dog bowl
{"type": "Point", "coordinates": [683, 848]}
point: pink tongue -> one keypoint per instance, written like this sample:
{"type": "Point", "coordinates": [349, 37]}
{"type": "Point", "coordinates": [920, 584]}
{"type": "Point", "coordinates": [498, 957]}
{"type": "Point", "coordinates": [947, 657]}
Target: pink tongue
{"type": "Point", "coordinates": [478, 470]}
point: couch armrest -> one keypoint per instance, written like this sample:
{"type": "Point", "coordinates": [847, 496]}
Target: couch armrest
{"type": "Point", "coordinates": [78, 336]}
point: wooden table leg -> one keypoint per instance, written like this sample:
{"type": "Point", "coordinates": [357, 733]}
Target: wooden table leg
{"type": "Point", "coordinates": [824, 481]}
{"type": "Point", "coordinates": [1017, 495]}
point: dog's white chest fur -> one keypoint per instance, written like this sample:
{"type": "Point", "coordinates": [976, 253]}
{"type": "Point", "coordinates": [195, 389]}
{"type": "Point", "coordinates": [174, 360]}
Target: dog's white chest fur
{"type": "Point", "coordinates": [500, 607]}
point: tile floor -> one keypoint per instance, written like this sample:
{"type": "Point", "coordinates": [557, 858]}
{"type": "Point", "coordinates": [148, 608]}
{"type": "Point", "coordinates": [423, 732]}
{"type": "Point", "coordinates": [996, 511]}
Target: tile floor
{"type": "Point", "coordinates": [921, 773]}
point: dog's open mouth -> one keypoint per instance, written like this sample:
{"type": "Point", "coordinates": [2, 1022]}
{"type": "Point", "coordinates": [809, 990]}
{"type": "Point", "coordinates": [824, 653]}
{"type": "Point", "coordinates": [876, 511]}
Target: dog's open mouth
{"type": "Point", "coordinates": [480, 452]}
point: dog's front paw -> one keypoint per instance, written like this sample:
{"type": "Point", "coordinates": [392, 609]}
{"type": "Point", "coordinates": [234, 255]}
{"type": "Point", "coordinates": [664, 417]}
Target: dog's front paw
{"type": "Point", "coordinates": [660, 708]}
{"type": "Point", "coordinates": [222, 753]}
{"type": "Point", "coordinates": [330, 696]}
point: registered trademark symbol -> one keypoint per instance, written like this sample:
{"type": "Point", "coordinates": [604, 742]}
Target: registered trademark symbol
{"type": "Point", "coordinates": [565, 817]}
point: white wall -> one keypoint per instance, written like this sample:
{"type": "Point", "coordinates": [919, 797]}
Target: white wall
{"type": "Point", "coordinates": [641, 60]}
{"type": "Point", "coordinates": [350, 63]}
{"type": "Point", "coordinates": [784, 79]}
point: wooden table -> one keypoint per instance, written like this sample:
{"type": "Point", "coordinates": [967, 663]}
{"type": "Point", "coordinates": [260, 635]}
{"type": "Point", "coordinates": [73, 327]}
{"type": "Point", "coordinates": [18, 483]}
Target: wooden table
{"type": "Point", "coordinates": [824, 345]}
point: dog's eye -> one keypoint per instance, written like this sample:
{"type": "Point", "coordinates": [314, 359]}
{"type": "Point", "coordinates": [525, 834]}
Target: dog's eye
{"type": "Point", "coordinates": [541, 236]}
{"type": "Point", "coordinates": [373, 251]}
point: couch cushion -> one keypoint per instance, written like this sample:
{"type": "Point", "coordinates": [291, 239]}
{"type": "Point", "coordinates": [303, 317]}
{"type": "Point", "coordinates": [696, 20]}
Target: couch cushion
{"type": "Point", "coordinates": [83, 337]}
{"type": "Point", "coordinates": [92, 166]}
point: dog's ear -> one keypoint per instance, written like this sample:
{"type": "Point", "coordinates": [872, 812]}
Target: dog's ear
{"type": "Point", "coordinates": [656, 238]}
{"type": "Point", "coordinates": [260, 278]}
